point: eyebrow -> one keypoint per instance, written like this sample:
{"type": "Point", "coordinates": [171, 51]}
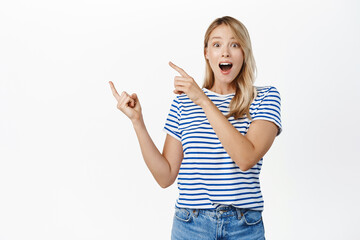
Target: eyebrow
{"type": "Point", "coordinates": [220, 38]}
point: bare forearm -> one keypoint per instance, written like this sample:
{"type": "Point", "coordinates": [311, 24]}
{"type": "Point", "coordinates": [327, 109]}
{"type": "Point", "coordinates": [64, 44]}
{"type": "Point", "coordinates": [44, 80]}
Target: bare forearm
{"type": "Point", "coordinates": [155, 161]}
{"type": "Point", "coordinates": [239, 148]}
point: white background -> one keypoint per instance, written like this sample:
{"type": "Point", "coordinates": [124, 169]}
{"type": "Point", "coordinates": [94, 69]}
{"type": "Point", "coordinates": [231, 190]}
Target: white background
{"type": "Point", "coordinates": [70, 164]}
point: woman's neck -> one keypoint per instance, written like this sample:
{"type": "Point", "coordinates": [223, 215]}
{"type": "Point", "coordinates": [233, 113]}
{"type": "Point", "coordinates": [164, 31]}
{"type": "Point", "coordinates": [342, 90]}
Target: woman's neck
{"type": "Point", "coordinates": [223, 89]}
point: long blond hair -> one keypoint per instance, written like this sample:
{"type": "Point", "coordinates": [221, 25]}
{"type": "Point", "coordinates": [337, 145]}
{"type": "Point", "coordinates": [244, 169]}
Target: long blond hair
{"type": "Point", "coordinates": [244, 81]}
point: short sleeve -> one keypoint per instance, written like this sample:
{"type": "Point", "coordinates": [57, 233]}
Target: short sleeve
{"type": "Point", "coordinates": [173, 120]}
{"type": "Point", "coordinates": [270, 108]}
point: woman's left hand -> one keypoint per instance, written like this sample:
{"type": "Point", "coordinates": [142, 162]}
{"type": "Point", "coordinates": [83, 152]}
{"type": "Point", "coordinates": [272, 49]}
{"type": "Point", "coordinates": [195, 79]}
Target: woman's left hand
{"type": "Point", "coordinates": [186, 84]}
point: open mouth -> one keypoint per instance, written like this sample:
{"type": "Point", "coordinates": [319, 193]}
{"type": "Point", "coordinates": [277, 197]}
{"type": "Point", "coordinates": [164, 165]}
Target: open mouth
{"type": "Point", "coordinates": [225, 66]}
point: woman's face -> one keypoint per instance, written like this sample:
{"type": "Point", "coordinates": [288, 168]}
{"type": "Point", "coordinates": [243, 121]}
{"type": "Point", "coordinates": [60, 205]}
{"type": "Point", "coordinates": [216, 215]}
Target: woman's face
{"type": "Point", "coordinates": [224, 54]}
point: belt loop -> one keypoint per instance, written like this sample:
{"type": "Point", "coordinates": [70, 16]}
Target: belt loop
{"type": "Point", "coordinates": [239, 213]}
{"type": "Point", "coordinates": [195, 212]}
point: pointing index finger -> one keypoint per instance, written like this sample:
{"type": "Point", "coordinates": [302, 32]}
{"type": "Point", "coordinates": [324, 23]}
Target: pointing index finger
{"type": "Point", "coordinates": [179, 70]}
{"type": "Point", "coordinates": [115, 93]}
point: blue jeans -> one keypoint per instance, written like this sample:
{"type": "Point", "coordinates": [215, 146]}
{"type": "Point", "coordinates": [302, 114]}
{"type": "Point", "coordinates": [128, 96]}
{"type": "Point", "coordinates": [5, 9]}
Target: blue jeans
{"type": "Point", "coordinates": [225, 222]}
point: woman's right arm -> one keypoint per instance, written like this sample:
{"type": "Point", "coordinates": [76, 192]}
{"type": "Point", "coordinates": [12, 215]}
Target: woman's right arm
{"type": "Point", "coordinates": [164, 167]}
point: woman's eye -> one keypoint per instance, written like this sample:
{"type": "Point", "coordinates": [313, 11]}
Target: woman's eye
{"type": "Point", "coordinates": [235, 45]}
{"type": "Point", "coordinates": [216, 45]}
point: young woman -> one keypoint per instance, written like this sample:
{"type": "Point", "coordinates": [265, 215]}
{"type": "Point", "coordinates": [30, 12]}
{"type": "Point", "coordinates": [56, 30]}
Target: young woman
{"type": "Point", "coordinates": [216, 138]}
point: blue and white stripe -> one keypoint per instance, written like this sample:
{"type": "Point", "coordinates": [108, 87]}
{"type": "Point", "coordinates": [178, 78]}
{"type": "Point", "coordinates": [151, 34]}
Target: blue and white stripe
{"type": "Point", "coordinates": [208, 176]}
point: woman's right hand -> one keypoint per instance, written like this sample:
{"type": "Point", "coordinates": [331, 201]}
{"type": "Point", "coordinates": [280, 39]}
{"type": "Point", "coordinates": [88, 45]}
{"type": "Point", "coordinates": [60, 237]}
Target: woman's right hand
{"type": "Point", "coordinates": [128, 104]}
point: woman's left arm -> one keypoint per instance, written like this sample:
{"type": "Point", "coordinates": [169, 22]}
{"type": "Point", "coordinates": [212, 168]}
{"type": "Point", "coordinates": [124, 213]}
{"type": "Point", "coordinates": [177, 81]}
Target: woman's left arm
{"type": "Point", "coordinates": [246, 150]}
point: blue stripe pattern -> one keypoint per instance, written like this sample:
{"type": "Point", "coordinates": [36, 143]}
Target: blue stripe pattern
{"type": "Point", "coordinates": [207, 176]}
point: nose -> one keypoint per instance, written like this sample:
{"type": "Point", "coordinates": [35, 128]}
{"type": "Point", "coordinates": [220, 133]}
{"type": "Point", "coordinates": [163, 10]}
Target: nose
{"type": "Point", "coordinates": [225, 52]}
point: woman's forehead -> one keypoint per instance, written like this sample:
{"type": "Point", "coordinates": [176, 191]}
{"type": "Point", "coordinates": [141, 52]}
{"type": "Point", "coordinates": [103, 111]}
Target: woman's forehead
{"type": "Point", "coordinates": [222, 32]}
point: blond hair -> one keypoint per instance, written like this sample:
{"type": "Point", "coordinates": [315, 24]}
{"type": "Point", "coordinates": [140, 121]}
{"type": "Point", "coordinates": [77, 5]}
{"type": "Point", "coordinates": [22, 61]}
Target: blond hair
{"type": "Point", "coordinates": [244, 81]}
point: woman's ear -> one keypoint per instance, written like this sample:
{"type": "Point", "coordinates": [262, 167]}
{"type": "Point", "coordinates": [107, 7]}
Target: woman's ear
{"type": "Point", "coordinates": [206, 53]}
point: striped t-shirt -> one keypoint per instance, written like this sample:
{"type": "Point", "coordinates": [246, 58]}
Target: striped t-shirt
{"type": "Point", "coordinates": [208, 176]}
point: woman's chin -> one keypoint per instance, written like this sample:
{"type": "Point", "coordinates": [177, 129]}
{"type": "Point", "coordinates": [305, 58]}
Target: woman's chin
{"type": "Point", "coordinates": [224, 79]}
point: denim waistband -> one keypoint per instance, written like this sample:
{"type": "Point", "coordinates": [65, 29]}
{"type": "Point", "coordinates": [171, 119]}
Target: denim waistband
{"type": "Point", "coordinates": [220, 211]}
